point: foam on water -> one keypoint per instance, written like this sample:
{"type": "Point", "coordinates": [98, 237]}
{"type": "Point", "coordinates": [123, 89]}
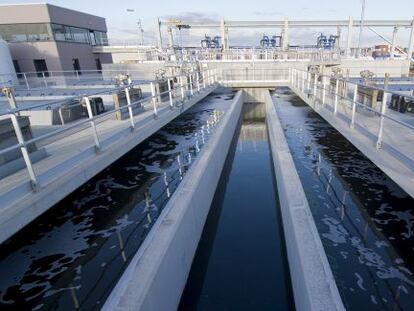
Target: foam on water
{"type": "Point", "coordinates": [365, 220]}
{"type": "Point", "coordinates": [73, 255]}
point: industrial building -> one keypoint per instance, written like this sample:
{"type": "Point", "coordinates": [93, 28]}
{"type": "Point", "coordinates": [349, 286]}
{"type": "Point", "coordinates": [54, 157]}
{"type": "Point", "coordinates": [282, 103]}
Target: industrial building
{"type": "Point", "coordinates": [45, 38]}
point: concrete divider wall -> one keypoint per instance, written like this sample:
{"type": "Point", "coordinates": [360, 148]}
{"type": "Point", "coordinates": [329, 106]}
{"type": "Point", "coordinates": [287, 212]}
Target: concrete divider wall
{"type": "Point", "coordinates": [314, 287]}
{"type": "Point", "coordinates": [156, 276]}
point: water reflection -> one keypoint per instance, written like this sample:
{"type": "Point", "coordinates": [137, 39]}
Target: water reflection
{"type": "Point", "coordinates": [365, 219]}
{"type": "Point", "coordinates": [72, 256]}
{"type": "Point", "coordinates": [240, 263]}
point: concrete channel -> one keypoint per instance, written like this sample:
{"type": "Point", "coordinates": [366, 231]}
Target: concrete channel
{"type": "Point", "coordinates": [161, 266]}
{"type": "Point", "coordinates": [314, 286]}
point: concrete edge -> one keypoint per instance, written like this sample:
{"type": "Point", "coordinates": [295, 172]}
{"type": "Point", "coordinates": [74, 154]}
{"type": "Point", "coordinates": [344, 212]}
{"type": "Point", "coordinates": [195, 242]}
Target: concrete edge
{"type": "Point", "coordinates": [314, 287]}
{"type": "Point", "coordinates": [157, 274]}
{"type": "Point", "coordinates": [21, 205]}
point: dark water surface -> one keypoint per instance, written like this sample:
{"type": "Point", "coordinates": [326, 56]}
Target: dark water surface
{"type": "Point", "coordinates": [365, 220]}
{"type": "Point", "coordinates": [73, 255]}
{"type": "Point", "coordinates": [240, 263]}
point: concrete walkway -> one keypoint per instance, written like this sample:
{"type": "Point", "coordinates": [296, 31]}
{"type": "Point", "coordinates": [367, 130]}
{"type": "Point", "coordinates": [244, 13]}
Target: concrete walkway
{"type": "Point", "coordinates": [72, 160]}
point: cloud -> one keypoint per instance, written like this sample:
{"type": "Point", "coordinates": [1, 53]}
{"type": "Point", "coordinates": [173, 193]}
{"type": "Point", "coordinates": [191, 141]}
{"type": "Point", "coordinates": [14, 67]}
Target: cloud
{"type": "Point", "coordinates": [269, 13]}
{"type": "Point", "coordinates": [192, 17]}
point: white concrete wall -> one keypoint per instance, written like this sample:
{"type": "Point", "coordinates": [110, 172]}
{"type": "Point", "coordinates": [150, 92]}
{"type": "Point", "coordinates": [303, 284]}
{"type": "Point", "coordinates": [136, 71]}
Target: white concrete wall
{"type": "Point", "coordinates": [314, 287]}
{"type": "Point", "coordinates": [156, 276]}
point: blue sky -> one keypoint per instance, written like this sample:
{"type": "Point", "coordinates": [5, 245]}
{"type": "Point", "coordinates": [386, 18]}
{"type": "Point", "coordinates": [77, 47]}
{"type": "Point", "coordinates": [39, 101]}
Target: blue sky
{"type": "Point", "coordinates": [122, 25]}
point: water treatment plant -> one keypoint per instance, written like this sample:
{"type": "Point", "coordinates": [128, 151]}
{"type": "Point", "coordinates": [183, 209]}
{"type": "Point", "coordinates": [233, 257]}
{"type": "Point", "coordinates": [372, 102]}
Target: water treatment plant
{"type": "Point", "coordinates": [277, 175]}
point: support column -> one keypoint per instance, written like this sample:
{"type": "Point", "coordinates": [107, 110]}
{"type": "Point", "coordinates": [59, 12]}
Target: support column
{"type": "Point", "coordinates": [158, 31]}
{"type": "Point", "coordinates": [339, 34]}
{"type": "Point", "coordinates": [394, 40]}
{"type": "Point", "coordinates": [411, 42]}
{"type": "Point", "coordinates": [285, 39]}
{"type": "Point", "coordinates": [223, 34]}
{"type": "Point", "coordinates": [349, 39]}
{"type": "Point", "coordinates": [170, 37]}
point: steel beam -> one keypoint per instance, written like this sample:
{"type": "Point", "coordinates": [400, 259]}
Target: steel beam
{"type": "Point", "coordinates": [298, 23]}
{"type": "Point", "coordinates": [411, 42]}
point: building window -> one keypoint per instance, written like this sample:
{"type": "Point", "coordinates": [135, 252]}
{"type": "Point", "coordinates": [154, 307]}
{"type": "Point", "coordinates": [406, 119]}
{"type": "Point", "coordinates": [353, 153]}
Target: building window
{"type": "Point", "coordinates": [49, 32]}
{"type": "Point", "coordinates": [41, 67]}
{"type": "Point", "coordinates": [26, 32]}
{"type": "Point", "coordinates": [101, 38]}
{"type": "Point", "coordinates": [98, 65]}
{"type": "Point", "coordinates": [76, 65]}
{"type": "Point", "coordinates": [17, 68]}
{"type": "Point", "coordinates": [79, 35]}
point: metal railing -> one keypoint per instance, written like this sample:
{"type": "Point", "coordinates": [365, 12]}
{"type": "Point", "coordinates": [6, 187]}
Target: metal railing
{"type": "Point", "coordinates": [267, 54]}
{"type": "Point", "coordinates": [254, 75]}
{"type": "Point", "coordinates": [52, 79]}
{"type": "Point", "coordinates": [364, 107]}
{"type": "Point", "coordinates": [176, 96]}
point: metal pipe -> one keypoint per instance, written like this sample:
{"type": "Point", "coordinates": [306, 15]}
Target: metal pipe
{"type": "Point", "coordinates": [336, 96]}
{"type": "Point", "coordinates": [93, 126]}
{"type": "Point", "coordinates": [361, 28]}
{"type": "Point", "coordinates": [131, 115]}
{"type": "Point", "coordinates": [349, 38]}
{"type": "Point", "coordinates": [25, 152]}
{"type": "Point", "coordinates": [411, 42]}
{"type": "Point", "coordinates": [354, 99]}
{"type": "Point", "coordinates": [169, 81]}
{"type": "Point", "coordinates": [381, 123]}
{"type": "Point", "coordinates": [154, 99]}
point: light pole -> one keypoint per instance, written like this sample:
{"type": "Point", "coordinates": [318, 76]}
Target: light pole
{"type": "Point", "coordinates": [361, 28]}
{"type": "Point", "coordinates": [139, 23]}
{"type": "Point", "coordinates": [141, 30]}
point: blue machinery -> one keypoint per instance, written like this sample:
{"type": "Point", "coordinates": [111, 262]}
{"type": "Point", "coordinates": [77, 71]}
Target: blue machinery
{"type": "Point", "coordinates": [273, 42]}
{"type": "Point", "coordinates": [209, 43]}
{"type": "Point", "coordinates": [326, 42]}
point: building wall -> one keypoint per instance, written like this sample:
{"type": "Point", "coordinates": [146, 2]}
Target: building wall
{"type": "Point", "coordinates": [26, 52]}
{"type": "Point", "coordinates": [58, 55]}
{"type": "Point", "coordinates": [74, 18]}
{"type": "Point", "coordinates": [27, 13]}
{"type": "Point", "coordinates": [68, 51]}
{"type": "Point", "coordinates": [46, 13]}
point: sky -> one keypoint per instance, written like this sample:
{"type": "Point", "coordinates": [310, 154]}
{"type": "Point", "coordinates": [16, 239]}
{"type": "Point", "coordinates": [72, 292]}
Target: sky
{"type": "Point", "coordinates": [122, 25]}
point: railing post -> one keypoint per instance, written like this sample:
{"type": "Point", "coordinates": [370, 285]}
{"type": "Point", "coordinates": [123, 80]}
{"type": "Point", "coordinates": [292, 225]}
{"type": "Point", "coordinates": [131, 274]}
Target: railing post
{"type": "Point", "coordinates": [308, 75]}
{"type": "Point", "coordinates": [25, 152]}
{"type": "Point", "coordinates": [131, 116]}
{"type": "Point", "coordinates": [354, 99]}
{"type": "Point", "coordinates": [381, 123]}
{"type": "Point", "coordinates": [169, 81]}
{"type": "Point", "coordinates": [26, 81]}
{"type": "Point", "coordinates": [323, 90]}
{"type": "Point", "coordinates": [154, 99]}
{"type": "Point", "coordinates": [198, 81]}
{"type": "Point", "coordinates": [182, 88]}
{"type": "Point", "coordinates": [336, 96]}
{"type": "Point", "coordinates": [92, 122]}
{"type": "Point", "coordinates": [44, 79]}
{"type": "Point", "coordinates": [191, 84]}
{"type": "Point", "coordinates": [303, 81]}
{"type": "Point", "coordinates": [204, 79]}
{"type": "Point", "coordinates": [315, 81]}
